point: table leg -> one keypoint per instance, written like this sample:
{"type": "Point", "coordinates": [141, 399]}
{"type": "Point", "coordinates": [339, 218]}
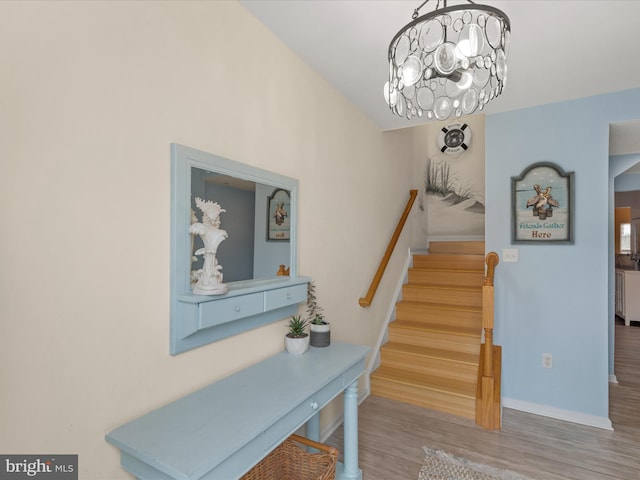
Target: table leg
{"type": "Point", "coordinates": [351, 469]}
{"type": "Point", "coordinates": [313, 428]}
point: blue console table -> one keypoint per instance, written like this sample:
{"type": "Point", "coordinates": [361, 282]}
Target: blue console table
{"type": "Point", "coordinates": [222, 430]}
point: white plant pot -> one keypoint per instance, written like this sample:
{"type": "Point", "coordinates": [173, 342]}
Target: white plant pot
{"type": "Point", "coordinates": [296, 346]}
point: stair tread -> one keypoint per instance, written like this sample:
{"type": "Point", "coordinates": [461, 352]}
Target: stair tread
{"type": "Point", "coordinates": [455, 259]}
{"type": "Point", "coordinates": [458, 288]}
{"type": "Point", "coordinates": [476, 247]}
{"type": "Point", "coordinates": [430, 382]}
{"type": "Point", "coordinates": [439, 306]}
{"type": "Point", "coordinates": [436, 327]}
{"type": "Point", "coordinates": [419, 351]}
{"type": "Point", "coordinates": [427, 268]}
{"type": "Point", "coordinates": [464, 256]}
{"type": "Point", "coordinates": [451, 254]}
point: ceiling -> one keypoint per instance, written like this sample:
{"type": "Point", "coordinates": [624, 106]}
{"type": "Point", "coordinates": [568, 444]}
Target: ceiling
{"type": "Point", "coordinates": [560, 49]}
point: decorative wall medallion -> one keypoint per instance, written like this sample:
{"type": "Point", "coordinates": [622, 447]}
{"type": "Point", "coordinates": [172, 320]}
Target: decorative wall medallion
{"type": "Point", "coordinates": [454, 139]}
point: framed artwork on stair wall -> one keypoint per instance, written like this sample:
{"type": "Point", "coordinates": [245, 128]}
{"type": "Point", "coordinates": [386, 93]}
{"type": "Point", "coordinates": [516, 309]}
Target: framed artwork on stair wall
{"type": "Point", "coordinates": [542, 205]}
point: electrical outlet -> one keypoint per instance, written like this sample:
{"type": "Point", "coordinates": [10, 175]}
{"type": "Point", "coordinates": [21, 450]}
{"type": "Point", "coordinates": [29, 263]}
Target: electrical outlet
{"type": "Point", "coordinates": [510, 255]}
{"type": "Point", "coordinates": [547, 360]}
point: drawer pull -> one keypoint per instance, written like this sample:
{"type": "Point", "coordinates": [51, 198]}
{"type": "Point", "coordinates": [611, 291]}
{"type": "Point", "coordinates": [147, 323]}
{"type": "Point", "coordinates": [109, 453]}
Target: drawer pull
{"type": "Point", "coordinates": [314, 405]}
{"type": "Point", "coordinates": [288, 296]}
{"type": "Point", "coordinates": [237, 309]}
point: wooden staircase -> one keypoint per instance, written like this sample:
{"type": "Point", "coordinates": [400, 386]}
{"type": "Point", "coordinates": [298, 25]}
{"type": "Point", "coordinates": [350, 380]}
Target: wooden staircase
{"type": "Point", "coordinates": [432, 355]}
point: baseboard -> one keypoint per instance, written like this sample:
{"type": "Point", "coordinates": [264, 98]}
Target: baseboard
{"type": "Point", "coordinates": [558, 413]}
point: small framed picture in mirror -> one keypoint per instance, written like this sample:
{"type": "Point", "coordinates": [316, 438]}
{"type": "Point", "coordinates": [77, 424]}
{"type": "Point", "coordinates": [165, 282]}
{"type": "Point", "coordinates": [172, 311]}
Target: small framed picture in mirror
{"type": "Point", "coordinates": [278, 212]}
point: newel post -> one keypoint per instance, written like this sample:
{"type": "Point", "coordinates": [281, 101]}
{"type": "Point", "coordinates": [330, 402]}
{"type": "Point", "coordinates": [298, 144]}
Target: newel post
{"type": "Point", "coordinates": [488, 407]}
{"type": "Point", "coordinates": [487, 314]}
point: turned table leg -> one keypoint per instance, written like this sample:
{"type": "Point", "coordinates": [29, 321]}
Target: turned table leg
{"type": "Point", "coordinates": [351, 469]}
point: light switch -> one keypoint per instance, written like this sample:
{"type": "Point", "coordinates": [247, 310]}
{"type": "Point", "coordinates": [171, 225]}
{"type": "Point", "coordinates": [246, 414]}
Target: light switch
{"type": "Point", "coordinates": [510, 254]}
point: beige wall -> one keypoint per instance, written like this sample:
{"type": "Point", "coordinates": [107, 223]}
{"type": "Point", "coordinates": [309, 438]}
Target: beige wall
{"type": "Point", "coordinates": [92, 94]}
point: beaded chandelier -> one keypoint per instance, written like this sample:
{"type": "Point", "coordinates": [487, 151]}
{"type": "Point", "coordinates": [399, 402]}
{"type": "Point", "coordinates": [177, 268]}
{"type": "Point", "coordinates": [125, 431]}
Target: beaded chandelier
{"type": "Point", "coordinates": [449, 62]}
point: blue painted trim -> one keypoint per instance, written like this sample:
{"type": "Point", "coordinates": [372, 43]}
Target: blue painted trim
{"type": "Point", "coordinates": [188, 329]}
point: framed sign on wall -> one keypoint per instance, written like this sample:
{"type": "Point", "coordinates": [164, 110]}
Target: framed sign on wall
{"type": "Point", "coordinates": [542, 205]}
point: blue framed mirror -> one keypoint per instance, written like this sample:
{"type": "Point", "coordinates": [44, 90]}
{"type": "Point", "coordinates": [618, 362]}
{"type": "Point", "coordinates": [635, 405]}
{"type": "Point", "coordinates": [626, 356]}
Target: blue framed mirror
{"type": "Point", "coordinates": [233, 248]}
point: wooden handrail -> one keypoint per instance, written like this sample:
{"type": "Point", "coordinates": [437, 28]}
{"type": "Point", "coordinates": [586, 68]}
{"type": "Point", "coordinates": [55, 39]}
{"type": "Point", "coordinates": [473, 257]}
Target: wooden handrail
{"type": "Point", "coordinates": [368, 298]}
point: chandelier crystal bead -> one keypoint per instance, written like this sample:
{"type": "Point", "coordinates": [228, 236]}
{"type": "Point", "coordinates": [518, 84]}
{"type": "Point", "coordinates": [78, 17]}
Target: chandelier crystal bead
{"type": "Point", "coordinates": [449, 62]}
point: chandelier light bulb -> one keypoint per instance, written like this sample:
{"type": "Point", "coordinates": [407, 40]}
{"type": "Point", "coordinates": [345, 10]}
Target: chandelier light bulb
{"type": "Point", "coordinates": [466, 79]}
{"type": "Point", "coordinates": [449, 62]}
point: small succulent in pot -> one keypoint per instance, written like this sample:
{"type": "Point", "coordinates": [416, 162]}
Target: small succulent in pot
{"type": "Point", "coordinates": [297, 327]}
{"type": "Point", "coordinates": [296, 341]}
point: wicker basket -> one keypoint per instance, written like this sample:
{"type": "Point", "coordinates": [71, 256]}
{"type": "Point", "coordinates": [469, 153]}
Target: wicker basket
{"type": "Point", "coordinates": [291, 462]}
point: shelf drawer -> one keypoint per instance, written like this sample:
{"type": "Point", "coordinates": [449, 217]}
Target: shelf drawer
{"type": "Point", "coordinates": [301, 413]}
{"type": "Point", "coordinates": [281, 297]}
{"type": "Point", "coordinates": [229, 309]}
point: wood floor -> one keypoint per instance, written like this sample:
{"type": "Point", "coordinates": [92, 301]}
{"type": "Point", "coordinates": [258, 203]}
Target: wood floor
{"type": "Point", "coordinates": [392, 434]}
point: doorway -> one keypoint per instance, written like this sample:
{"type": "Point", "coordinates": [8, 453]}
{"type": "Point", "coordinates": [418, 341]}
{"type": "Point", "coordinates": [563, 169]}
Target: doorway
{"type": "Point", "coordinates": [624, 181]}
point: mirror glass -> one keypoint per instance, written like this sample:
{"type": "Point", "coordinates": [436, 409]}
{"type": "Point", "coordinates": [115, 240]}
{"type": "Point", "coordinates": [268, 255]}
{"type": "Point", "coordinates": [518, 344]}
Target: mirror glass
{"type": "Point", "coordinates": [233, 248]}
{"type": "Point", "coordinates": [257, 222]}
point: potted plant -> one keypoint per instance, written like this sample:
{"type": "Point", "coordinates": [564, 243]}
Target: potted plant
{"type": "Point", "coordinates": [320, 329]}
{"type": "Point", "coordinates": [296, 340]}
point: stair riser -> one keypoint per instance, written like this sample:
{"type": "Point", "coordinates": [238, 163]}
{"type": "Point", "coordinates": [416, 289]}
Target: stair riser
{"type": "Point", "coordinates": [443, 296]}
{"type": "Point", "coordinates": [450, 262]}
{"type": "Point", "coordinates": [419, 313]}
{"type": "Point", "coordinates": [463, 372]}
{"type": "Point", "coordinates": [424, 397]}
{"type": "Point", "coordinates": [455, 343]}
{"type": "Point", "coordinates": [422, 276]}
{"type": "Point", "coordinates": [462, 248]}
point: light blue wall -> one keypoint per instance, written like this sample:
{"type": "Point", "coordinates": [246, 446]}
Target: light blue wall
{"type": "Point", "coordinates": [235, 254]}
{"type": "Point", "coordinates": [556, 299]}
{"type": "Point", "coordinates": [269, 255]}
{"type": "Point", "coordinates": [630, 182]}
